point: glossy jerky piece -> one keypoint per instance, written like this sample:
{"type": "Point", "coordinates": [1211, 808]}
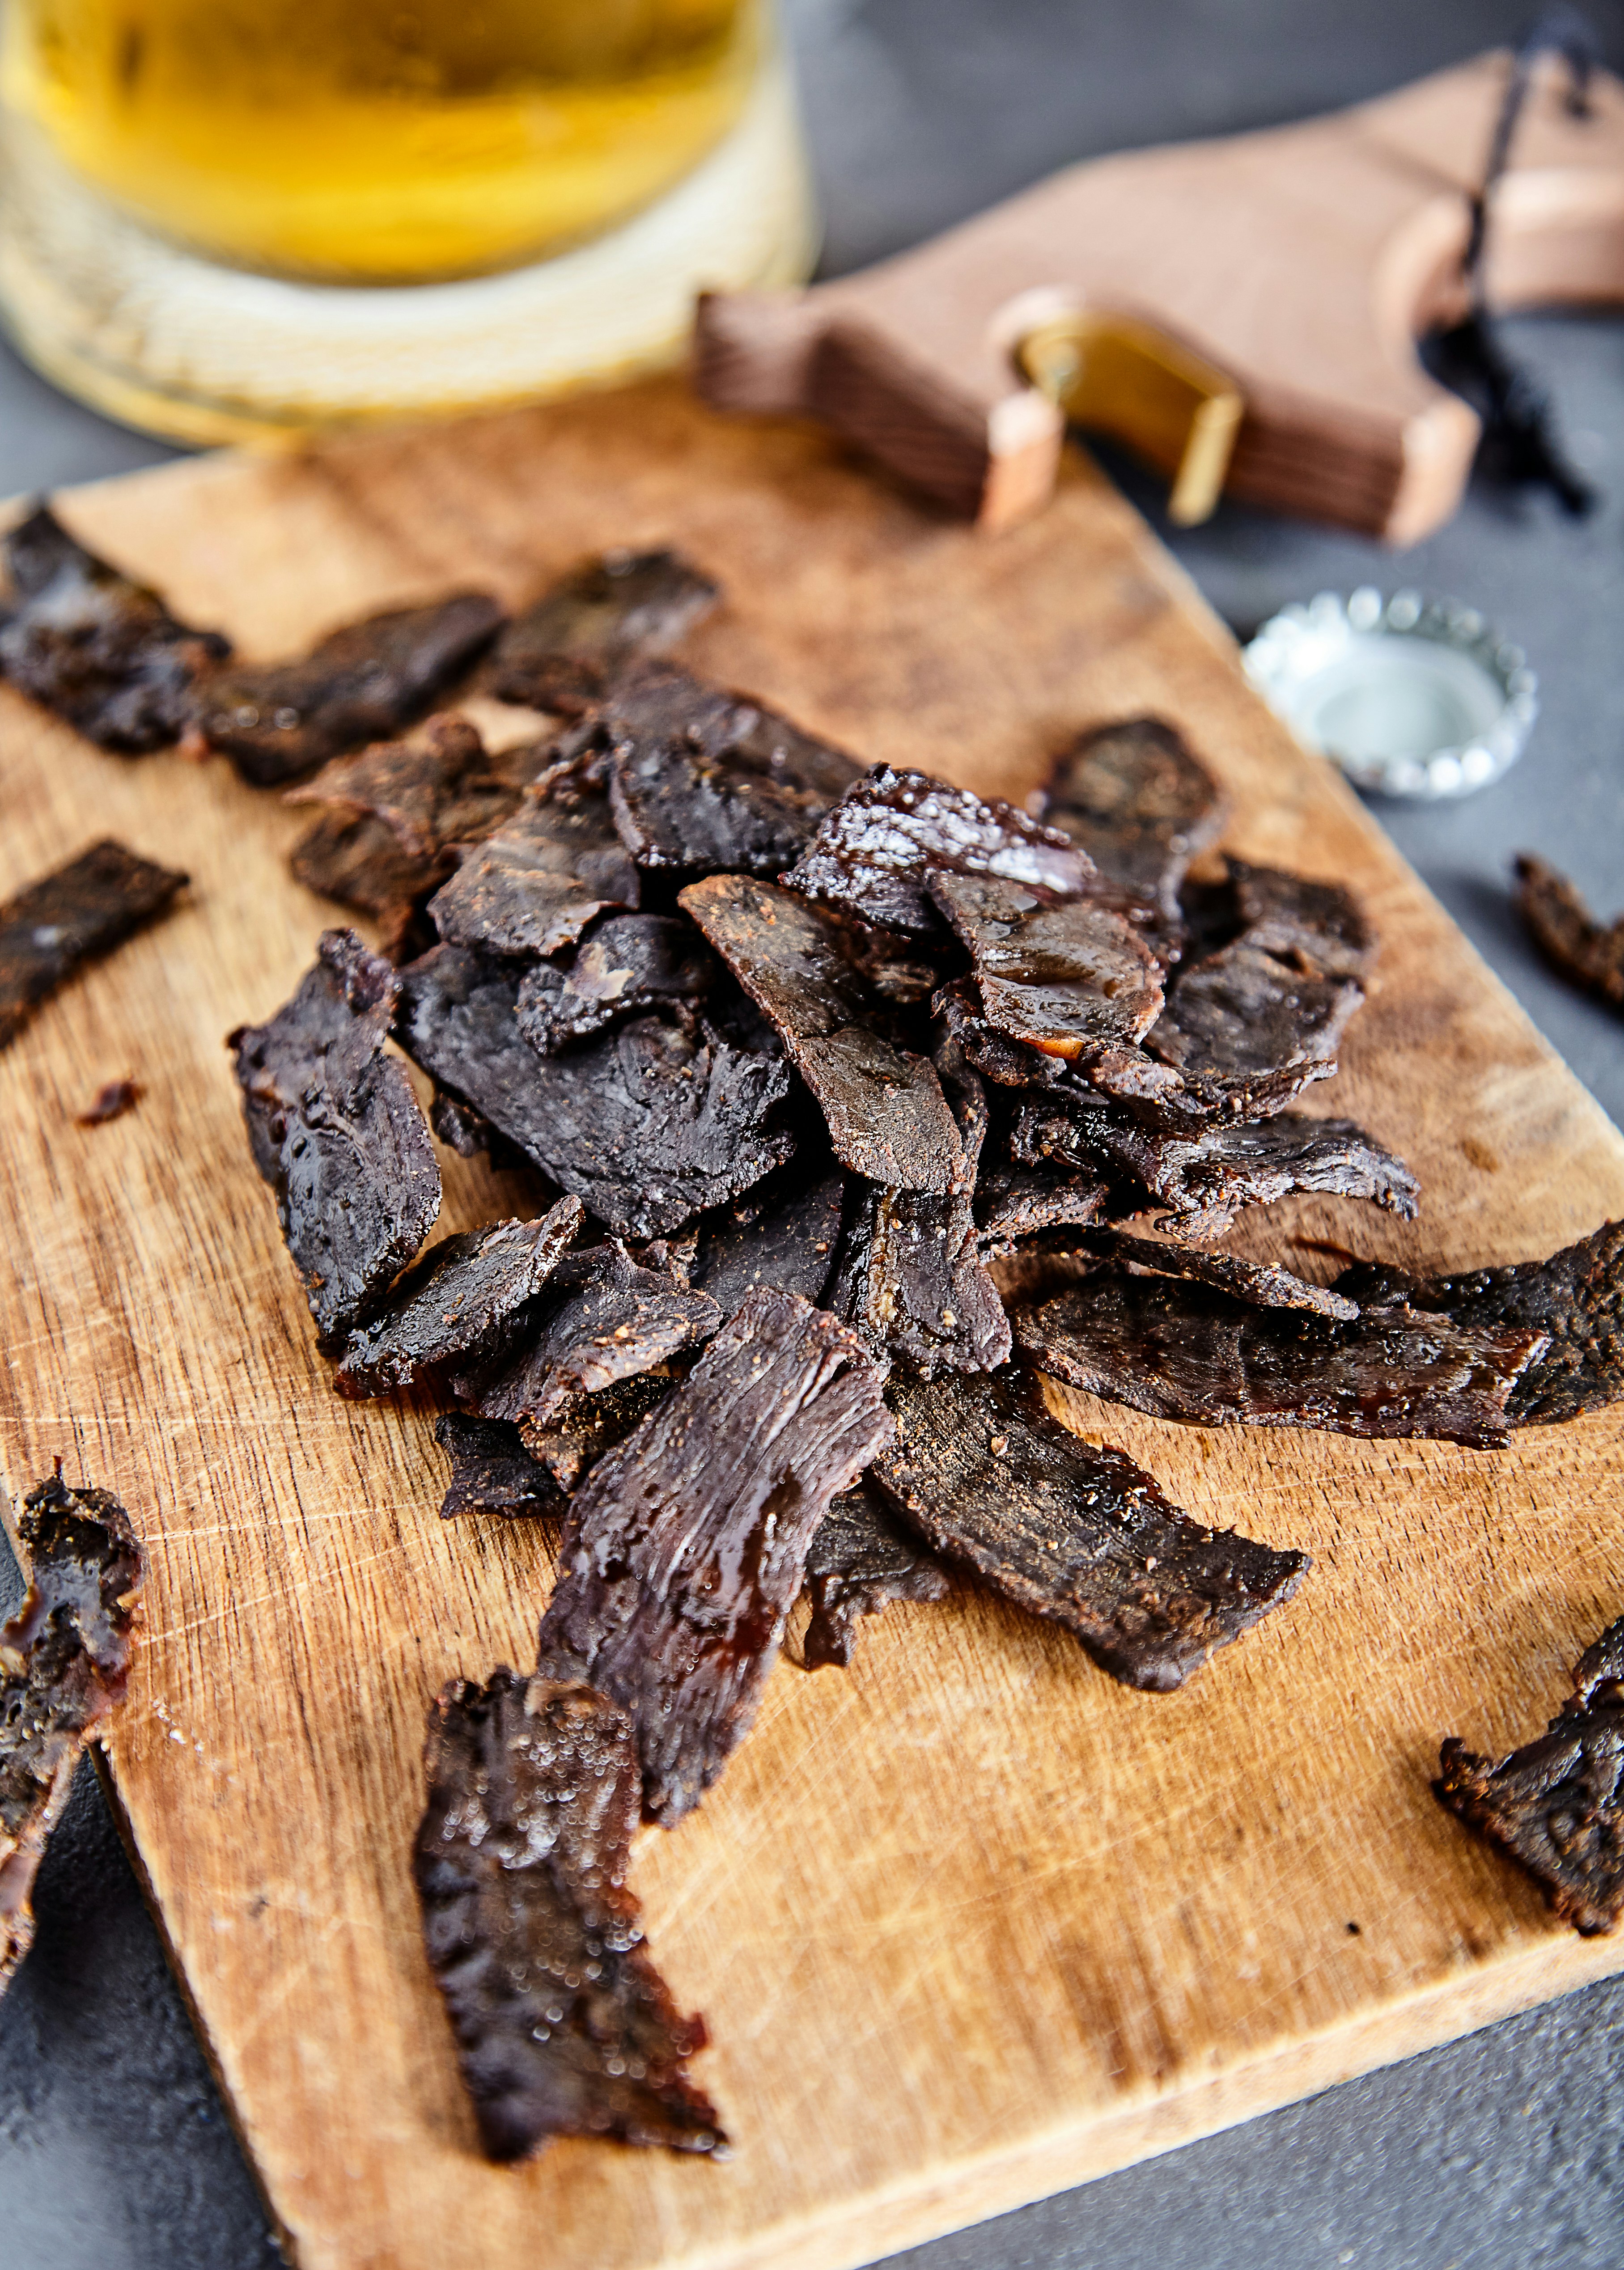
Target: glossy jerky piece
{"type": "Point", "coordinates": [1585, 951]}
{"type": "Point", "coordinates": [533, 886]}
{"type": "Point", "coordinates": [1244, 1021]}
{"type": "Point", "coordinates": [565, 653]}
{"type": "Point", "coordinates": [64, 1658]}
{"type": "Point", "coordinates": [1318, 926]}
{"type": "Point", "coordinates": [492, 1471]}
{"type": "Point", "coordinates": [860, 1561]}
{"type": "Point", "coordinates": [1184, 1351]}
{"type": "Point", "coordinates": [994, 1054]}
{"type": "Point", "coordinates": [574, 1439]}
{"type": "Point", "coordinates": [686, 1545]}
{"type": "Point", "coordinates": [1067, 980]}
{"type": "Point", "coordinates": [630, 963]}
{"type": "Point", "coordinates": [462, 1298]}
{"type": "Point", "coordinates": [361, 683]}
{"type": "Point", "coordinates": [1012, 1203]}
{"type": "Point", "coordinates": [887, 1116]}
{"type": "Point", "coordinates": [1557, 1804]}
{"type": "Point", "coordinates": [100, 649]}
{"type": "Point", "coordinates": [563, 2025]}
{"type": "Point", "coordinates": [434, 789]}
{"type": "Point", "coordinates": [1073, 1532]}
{"type": "Point", "coordinates": [784, 1234]}
{"type": "Point", "coordinates": [1135, 799]}
{"type": "Point", "coordinates": [1260, 1283]}
{"type": "Point", "coordinates": [51, 928]}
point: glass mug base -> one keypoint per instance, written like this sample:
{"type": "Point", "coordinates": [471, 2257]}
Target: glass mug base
{"type": "Point", "coordinates": [166, 339]}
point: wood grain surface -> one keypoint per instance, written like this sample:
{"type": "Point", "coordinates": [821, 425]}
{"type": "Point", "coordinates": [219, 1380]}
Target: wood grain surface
{"type": "Point", "coordinates": [969, 1922]}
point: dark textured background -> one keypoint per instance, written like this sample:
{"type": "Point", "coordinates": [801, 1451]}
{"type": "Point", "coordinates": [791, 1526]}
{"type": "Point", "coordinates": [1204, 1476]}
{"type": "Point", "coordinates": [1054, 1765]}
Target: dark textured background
{"type": "Point", "coordinates": [1505, 2152]}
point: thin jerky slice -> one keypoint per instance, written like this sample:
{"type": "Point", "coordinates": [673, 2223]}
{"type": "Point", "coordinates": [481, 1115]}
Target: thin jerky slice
{"type": "Point", "coordinates": [1182, 1351]}
{"type": "Point", "coordinates": [1012, 1203]}
{"type": "Point", "coordinates": [912, 1284]}
{"type": "Point", "coordinates": [871, 855]}
{"type": "Point", "coordinates": [1319, 926]}
{"type": "Point", "coordinates": [435, 787]}
{"type": "Point", "coordinates": [338, 1132]}
{"type": "Point", "coordinates": [100, 650]}
{"type": "Point", "coordinates": [563, 2025]}
{"type": "Point", "coordinates": [565, 653]}
{"type": "Point", "coordinates": [1585, 951]}
{"type": "Point", "coordinates": [887, 1116]}
{"type": "Point", "coordinates": [784, 1235]}
{"type": "Point", "coordinates": [359, 862]}
{"type": "Point", "coordinates": [1067, 980]}
{"type": "Point", "coordinates": [574, 1439]}
{"type": "Point", "coordinates": [648, 1125]}
{"type": "Point", "coordinates": [687, 1546]}
{"type": "Point", "coordinates": [1260, 1283]}
{"type": "Point", "coordinates": [859, 1562]}
{"type": "Point", "coordinates": [462, 1298]}
{"type": "Point", "coordinates": [630, 962]}
{"type": "Point", "coordinates": [492, 1471]}
{"type": "Point", "coordinates": [361, 683]}
{"type": "Point", "coordinates": [1256, 1026]}
{"type": "Point", "coordinates": [1072, 1532]}
{"type": "Point", "coordinates": [1134, 798]}
{"type": "Point", "coordinates": [1557, 1804]}
{"type": "Point", "coordinates": [1011, 1062]}
{"type": "Point", "coordinates": [534, 886]}
{"type": "Point", "coordinates": [64, 1658]}
{"type": "Point", "coordinates": [52, 927]}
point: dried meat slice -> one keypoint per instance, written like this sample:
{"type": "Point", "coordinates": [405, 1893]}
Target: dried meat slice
{"type": "Point", "coordinates": [1012, 1203]}
{"type": "Point", "coordinates": [566, 652]}
{"type": "Point", "coordinates": [629, 963]}
{"type": "Point", "coordinates": [1318, 926]}
{"type": "Point", "coordinates": [359, 862]}
{"type": "Point", "coordinates": [1138, 803]}
{"type": "Point", "coordinates": [436, 787]}
{"type": "Point", "coordinates": [563, 2025]}
{"type": "Point", "coordinates": [687, 1546]}
{"type": "Point", "coordinates": [1255, 1029]}
{"type": "Point", "coordinates": [1073, 1532]}
{"type": "Point", "coordinates": [64, 1658]}
{"type": "Point", "coordinates": [492, 1471]}
{"type": "Point", "coordinates": [1583, 951]}
{"type": "Point", "coordinates": [1068, 979]}
{"type": "Point", "coordinates": [1557, 1804]}
{"type": "Point", "coordinates": [100, 650]}
{"type": "Point", "coordinates": [912, 1284]}
{"type": "Point", "coordinates": [859, 1562]}
{"type": "Point", "coordinates": [533, 886]}
{"type": "Point", "coordinates": [575, 1438]}
{"type": "Point", "coordinates": [784, 1235]}
{"type": "Point", "coordinates": [1260, 1283]}
{"type": "Point", "coordinates": [1011, 1062]}
{"type": "Point", "coordinates": [51, 928]}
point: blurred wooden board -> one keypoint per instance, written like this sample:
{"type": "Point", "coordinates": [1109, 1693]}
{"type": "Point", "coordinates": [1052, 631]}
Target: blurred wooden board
{"type": "Point", "coordinates": [971, 1922]}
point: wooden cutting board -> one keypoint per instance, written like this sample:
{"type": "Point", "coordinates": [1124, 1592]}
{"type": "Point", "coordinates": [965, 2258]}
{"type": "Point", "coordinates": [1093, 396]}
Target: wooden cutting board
{"type": "Point", "coordinates": [970, 1922]}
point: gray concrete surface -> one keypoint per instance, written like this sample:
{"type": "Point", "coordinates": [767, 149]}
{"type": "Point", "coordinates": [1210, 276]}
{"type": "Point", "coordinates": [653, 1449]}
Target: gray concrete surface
{"type": "Point", "coordinates": [1505, 2152]}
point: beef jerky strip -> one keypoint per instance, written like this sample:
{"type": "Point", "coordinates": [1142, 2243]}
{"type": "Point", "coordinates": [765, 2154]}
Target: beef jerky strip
{"type": "Point", "coordinates": [100, 650]}
{"type": "Point", "coordinates": [565, 652]}
{"type": "Point", "coordinates": [1073, 1533]}
{"type": "Point", "coordinates": [1135, 799]}
{"type": "Point", "coordinates": [52, 927]}
{"type": "Point", "coordinates": [871, 855]}
{"type": "Point", "coordinates": [784, 1234]}
{"type": "Point", "coordinates": [563, 2025]}
{"type": "Point", "coordinates": [1253, 1030]}
{"type": "Point", "coordinates": [860, 1561]}
{"type": "Point", "coordinates": [64, 1660]}
{"type": "Point", "coordinates": [360, 863]}
{"type": "Point", "coordinates": [436, 787]}
{"type": "Point", "coordinates": [1012, 1203]}
{"type": "Point", "coordinates": [492, 1471]}
{"type": "Point", "coordinates": [630, 962]}
{"type": "Point", "coordinates": [1067, 980]}
{"type": "Point", "coordinates": [577, 1437]}
{"type": "Point", "coordinates": [1557, 1804]}
{"type": "Point", "coordinates": [887, 1118]}
{"type": "Point", "coordinates": [647, 1125]}
{"type": "Point", "coordinates": [1260, 1283]}
{"type": "Point", "coordinates": [338, 1132]}
{"type": "Point", "coordinates": [1317, 926]}
{"type": "Point", "coordinates": [465, 1297]}
{"type": "Point", "coordinates": [1182, 1351]}
{"type": "Point", "coordinates": [685, 1546]}
{"type": "Point", "coordinates": [994, 1054]}
{"type": "Point", "coordinates": [1583, 951]}
{"type": "Point", "coordinates": [1576, 1299]}
{"type": "Point", "coordinates": [362, 683]}
{"type": "Point", "coordinates": [534, 886]}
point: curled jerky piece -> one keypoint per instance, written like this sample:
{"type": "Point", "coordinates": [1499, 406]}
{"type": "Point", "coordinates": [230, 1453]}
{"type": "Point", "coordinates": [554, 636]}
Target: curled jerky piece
{"type": "Point", "coordinates": [492, 1471]}
{"type": "Point", "coordinates": [887, 1118]}
{"type": "Point", "coordinates": [860, 1561]}
{"type": "Point", "coordinates": [1071, 1531]}
{"type": "Point", "coordinates": [338, 1132]}
{"type": "Point", "coordinates": [629, 963]}
{"type": "Point", "coordinates": [1068, 980]}
{"type": "Point", "coordinates": [1184, 1351]}
{"type": "Point", "coordinates": [359, 862]}
{"type": "Point", "coordinates": [685, 1546]}
{"type": "Point", "coordinates": [565, 653]}
{"type": "Point", "coordinates": [64, 1657]}
{"type": "Point", "coordinates": [1261, 1284]}
{"type": "Point", "coordinates": [534, 886]}
{"type": "Point", "coordinates": [1585, 951]}
{"type": "Point", "coordinates": [436, 787]}
{"type": "Point", "coordinates": [1557, 1804]}
{"type": "Point", "coordinates": [564, 2027]}
{"type": "Point", "coordinates": [576, 1437]}
{"type": "Point", "coordinates": [1317, 926]}
{"type": "Point", "coordinates": [1137, 801]}
{"type": "Point", "coordinates": [100, 650]}
{"type": "Point", "coordinates": [994, 1054]}
{"type": "Point", "coordinates": [51, 928]}
{"type": "Point", "coordinates": [1017, 1201]}
{"type": "Point", "coordinates": [465, 1297]}
{"type": "Point", "coordinates": [784, 1235]}
{"type": "Point", "coordinates": [362, 683]}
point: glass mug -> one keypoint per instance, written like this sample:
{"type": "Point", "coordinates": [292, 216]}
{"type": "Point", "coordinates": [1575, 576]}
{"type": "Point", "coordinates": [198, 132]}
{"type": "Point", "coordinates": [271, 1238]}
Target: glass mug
{"type": "Point", "coordinates": [227, 218]}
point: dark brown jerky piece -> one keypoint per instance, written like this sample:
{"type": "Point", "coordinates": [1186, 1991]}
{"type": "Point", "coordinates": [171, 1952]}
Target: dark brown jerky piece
{"type": "Point", "coordinates": [1018, 1202]}
{"type": "Point", "coordinates": [1074, 1532]}
{"type": "Point", "coordinates": [100, 650]}
{"type": "Point", "coordinates": [534, 886]}
{"type": "Point", "coordinates": [1585, 951]}
{"type": "Point", "coordinates": [359, 862]}
{"type": "Point", "coordinates": [647, 1125]}
{"type": "Point", "coordinates": [871, 855]}
{"type": "Point", "coordinates": [1182, 1351]}
{"type": "Point", "coordinates": [1011, 1062]}
{"type": "Point", "coordinates": [362, 683]}
{"type": "Point", "coordinates": [492, 1471]}
{"type": "Point", "coordinates": [112, 1100]}
{"type": "Point", "coordinates": [784, 1234]}
{"type": "Point", "coordinates": [859, 1562]}
{"type": "Point", "coordinates": [338, 1132]}
{"type": "Point", "coordinates": [563, 2025]}
{"type": "Point", "coordinates": [565, 653]}
{"type": "Point", "coordinates": [1067, 980]}
{"type": "Point", "coordinates": [887, 1116]}
{"type": "Point", "coordinates": [461, 1301]}
{"type": "Point", "coordinates": [64, 1657]}
{"type": "Point", "coordinates": [1260, 1283]}
{"type": "Point", "coordinates": [912, 1284]}
{"type": "Point", "coordinates": [1557, 1804]}
{"type": "Point", "coordinates": [686, 1545]}
{"type": "Point", "coordinates": [576, 1437]}
{"type": "Point", "coordinates": [52, 927]}
{"type": "Point", "coordinates": [631, 962]}
{"type": "Point", "coordinates": [1317, 926]}
{"type": "Point", "coordinates": [1137, 801]}
{"type": "Point", "coordinates": [1252, 1026]}
{"type": "Point", "coordinates": [434, 789]}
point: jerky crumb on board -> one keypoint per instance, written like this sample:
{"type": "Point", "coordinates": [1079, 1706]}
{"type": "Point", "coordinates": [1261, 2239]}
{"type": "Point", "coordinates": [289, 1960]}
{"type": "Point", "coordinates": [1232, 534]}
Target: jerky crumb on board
{"type": "Point", "coordinates": [564, 653]}
{"type": "Point", "coordinates": [1587, 953]}
{"type": "Point", "coordinates": [860, 1561]}
{"type": "Point", "coordinates": [563, 2025]}
{"type": "Point", "coordinates": [1557, 1804]}
{"type": "Point", "coordinates": [51, 928]}
{"type": "Point", "coordinates": [64, 1659]}
{"type": "Point", "coordinates": [112, 1100]}
{"type": "Point", "coordinates": [492, 1471]}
